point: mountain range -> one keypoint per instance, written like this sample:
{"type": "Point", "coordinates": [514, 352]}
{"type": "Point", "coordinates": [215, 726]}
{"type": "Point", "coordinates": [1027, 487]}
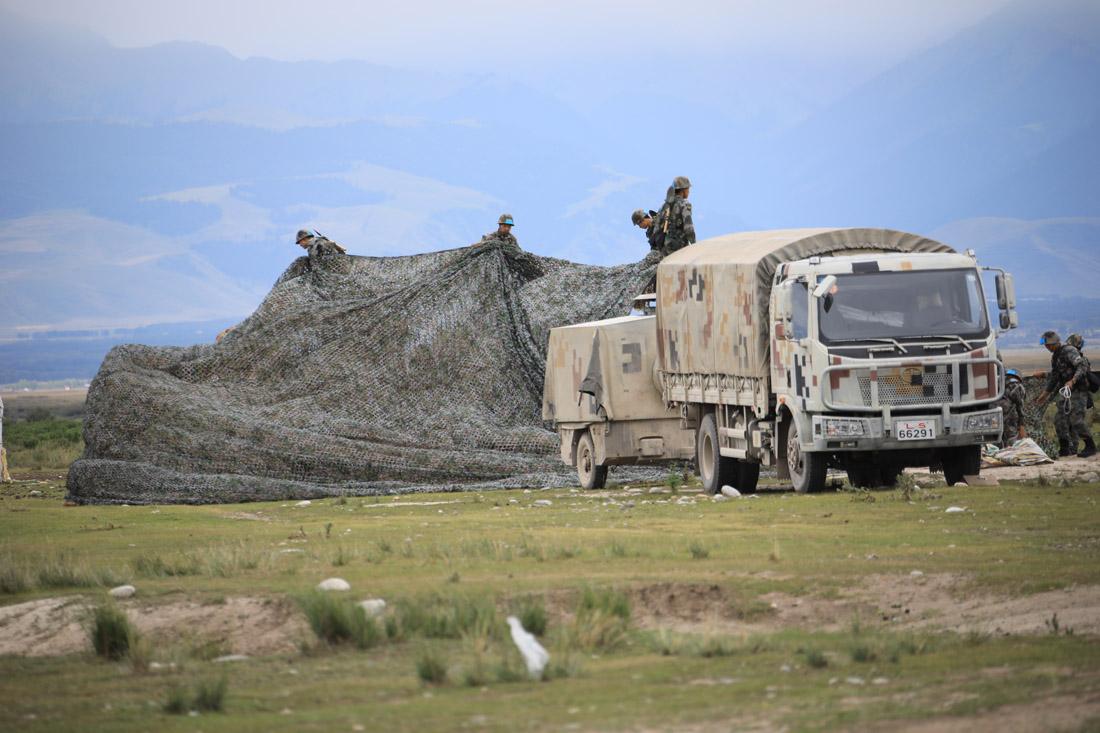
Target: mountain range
{"type": "Point", "coordinates": [145, 185]}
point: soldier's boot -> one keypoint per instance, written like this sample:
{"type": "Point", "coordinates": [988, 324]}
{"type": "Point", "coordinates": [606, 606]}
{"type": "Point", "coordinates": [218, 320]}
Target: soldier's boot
{"type": "Point", "coordinates": [1063, 448]}
{"type": "Point", "coordinates": [1089, 450]}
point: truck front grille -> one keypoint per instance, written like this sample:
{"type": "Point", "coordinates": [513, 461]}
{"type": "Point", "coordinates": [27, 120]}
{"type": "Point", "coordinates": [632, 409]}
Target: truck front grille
{"type": "Point", "coordinates": [900, 388]}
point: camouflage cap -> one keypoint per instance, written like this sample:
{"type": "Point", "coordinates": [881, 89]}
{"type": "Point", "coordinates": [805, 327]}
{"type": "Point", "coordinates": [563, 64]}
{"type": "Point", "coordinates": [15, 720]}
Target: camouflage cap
{"type": "Point", "coordinates": [1075, 340]}
{"type": "Point", "coordinates": [638, 216]}
{"type": "Point", "coordinates": [1050, 338]}
{"type": "Point", "coordinates": [506, 219]}
{"type": "Point", "coordinates": [303, 234]}
{"type": "Point", "coordinates": [681, 182]}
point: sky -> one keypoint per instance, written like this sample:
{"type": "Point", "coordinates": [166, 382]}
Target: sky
{"type": "Point", "coordinates": [522, 38]}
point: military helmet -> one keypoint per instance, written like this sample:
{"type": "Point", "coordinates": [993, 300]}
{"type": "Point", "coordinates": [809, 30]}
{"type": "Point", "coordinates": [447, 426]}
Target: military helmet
{"type": "Point", "coordinates": [681, 182]}
{"type": "Point", "coordinates": [1012, 374]}
{"type": "Point", "coordinates": [1075, 340]}
{"type": "Point", "coordinates": [638, 216]}
{"type": "Point", "coordinates": [506, 219]}
{"type": "Point", "coordinates": [303, 234]}
{"type": "Point", "coordinates": [1050, 338]}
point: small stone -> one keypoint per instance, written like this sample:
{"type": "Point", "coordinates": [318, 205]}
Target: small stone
{"type": "Point", "coordinates": [122, 591]}
{"type": "Point", "coordinates": [334, 584]}
{"type": "Point", "coordinates": [1091, 477]}
{"type": "Point", "coordinates": [656, 489]}
{"type": "Point", "coordinates": [290, 550]}
{"type": "Point", "coordinates": [628, 505]}
{"type": "Point", "coordinates": [954, 509]}
{"type": "Point", "coordinates": [719, 497]}
{"type": "Point", "coordinates": [854, 680]}
{"type": "Point", "coordinates": [543, 502]}
{"type": "Point", "coordinates": [303, 503]}
{"type": "Point", "coordinates": [785, 668]}
{"type": "Point", "coordinates": [231, 658]}
{"type": "Point", "coordinates": [915, 573]}
{"type": "Point", "coordinates": [872, 556]}
{"type": "Point", "coordinates": [880, 681]}
{"type": "Point", "coordinates": [731, 492]}
{"type": "Point", "coordinates": [373, 606]}
{"type": "Point", "coordinates": [34, 492]}
{"type": "Point", "coordinates": [513, 501]}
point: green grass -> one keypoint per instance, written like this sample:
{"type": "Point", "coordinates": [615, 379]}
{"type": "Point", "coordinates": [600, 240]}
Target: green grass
{"type": "Point", "coordinates": [111, 633]}
{"type": "Point", "coordinates": [640, 633]}
{"type": "Point", "coordinates": [42, 442]}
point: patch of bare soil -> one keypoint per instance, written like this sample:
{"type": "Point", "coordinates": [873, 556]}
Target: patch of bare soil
{"type": "Point", "coordinates": [1062, 713]}
{"type": "Point", "coordinates": [940, 601]}
{"type": "Point", "coordinates": [239, 625]}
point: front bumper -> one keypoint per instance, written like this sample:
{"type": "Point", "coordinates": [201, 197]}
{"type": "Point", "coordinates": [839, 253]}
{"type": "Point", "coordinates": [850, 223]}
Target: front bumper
{"type": "Point", "coordinates": [832, 433]}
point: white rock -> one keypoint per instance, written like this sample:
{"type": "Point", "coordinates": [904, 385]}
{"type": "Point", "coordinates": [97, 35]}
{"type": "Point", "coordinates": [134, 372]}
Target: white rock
{"type": "Point", "coordinates": [656, 489]}
{"type": "Point", "coordinates": [513, 501]}
{"type": "Point", "coordinates": [880, 681]}
{"type": "Point", "coordinates": [719, 497]}
{"type": "Point", "coordinates": [373, 606]}
{"type": "Point", "coordinates": [730, 492]}
{"type": "Point", "coordinates": [35, 492]}
{"type": "Point", "coordinates": [543, 502]}
{"type": "Point", "coordinates": [290, 550]}
{"type": "Point", "coordinates": [954, 509]}
{"type": "Point", "coordinates": [231, 658]}
{"type": "Point", "coordinates": [304, 502]}
{"type": "Point", "coordinates": [1091, 477]}
{"type": "Point", "coordinates": [854, 680]}
{"type": "Point", "coordinates": [334, 584]}
{"type": "Point", "coordinates": [122, 591]}
{"type": "Point", "coordinates": [916, 573]}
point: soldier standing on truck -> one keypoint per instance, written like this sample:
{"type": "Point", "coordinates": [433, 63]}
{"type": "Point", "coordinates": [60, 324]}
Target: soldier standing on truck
{"type": "Point", "coordinates": [503, 231]}
{"type": "Point", "coordinates": [675, 217]}
{"type": "Point", "coordinates": [645, 221]}
{"type": "Point", "coordinates": [1069, 379]}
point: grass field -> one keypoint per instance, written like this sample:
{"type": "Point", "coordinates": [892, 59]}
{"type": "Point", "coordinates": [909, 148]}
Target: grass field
{"type": "Point", "coordinates": [662, 611]}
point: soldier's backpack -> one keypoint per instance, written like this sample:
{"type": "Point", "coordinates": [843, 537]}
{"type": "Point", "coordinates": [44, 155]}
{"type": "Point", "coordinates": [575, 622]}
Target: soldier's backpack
{"type": "Point", "coordinates": [662, 222]}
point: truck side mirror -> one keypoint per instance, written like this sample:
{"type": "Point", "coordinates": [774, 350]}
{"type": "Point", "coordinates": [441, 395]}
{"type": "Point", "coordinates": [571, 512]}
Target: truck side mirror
{"type": "Point", "coordinates": [1006, 291]}
{"type": "Point", "coordinates": [1009, 319]}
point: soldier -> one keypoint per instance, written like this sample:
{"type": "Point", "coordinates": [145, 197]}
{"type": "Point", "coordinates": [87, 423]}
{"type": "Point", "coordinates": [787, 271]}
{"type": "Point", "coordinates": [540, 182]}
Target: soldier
{"type": "Point", "coordinates": [1012, 409]}
{"type": "Point", "coordinates": [1078, 342]}
{"type": "Point", "coordinates": [645, 221]}
{"type": "Point", "coordinates": [321, 250]}
{"type": "Point", "coordinates": [503, 232]}
{"type": "Point", "coordinates": [675, 216]}
{"type": "Point", "coordinates": [5, 478]}
{"type": "Point", "coordinates": [1068, 378]}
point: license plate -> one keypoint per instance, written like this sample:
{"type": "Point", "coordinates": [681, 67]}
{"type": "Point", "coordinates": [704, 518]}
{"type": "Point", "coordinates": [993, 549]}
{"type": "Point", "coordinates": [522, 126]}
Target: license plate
{"type": "Point", "coordinates": [914, 429]}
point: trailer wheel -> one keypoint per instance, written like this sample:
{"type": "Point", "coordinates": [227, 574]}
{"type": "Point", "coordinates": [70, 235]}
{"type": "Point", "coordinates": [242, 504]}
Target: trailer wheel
{"type": "Point", "coordinates": [807, 469]}
{"type": "Point", "coordinates": [960, 462]}
{"type": "Point", "coordinates": [714, 470]}
{"type": "Point", "coordinates": [590, 475]}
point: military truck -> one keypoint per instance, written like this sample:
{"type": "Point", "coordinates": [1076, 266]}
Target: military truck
{"type": "Point", "coordinates": [864, 350]}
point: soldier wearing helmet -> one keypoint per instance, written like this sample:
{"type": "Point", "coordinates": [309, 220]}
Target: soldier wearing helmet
{"type": "Point", "coordinates": [321, 251]}
{"type": "Point", "coordinates": [1012, 409]}
{"type": "Point", "coordinates": [1069, 380]}
{"type": "Point", "coordinates": [503, 231]}
{"type": "Point", "coordinates": [675, 218]}
{"type": "Point", "coordinates": [645, 221]}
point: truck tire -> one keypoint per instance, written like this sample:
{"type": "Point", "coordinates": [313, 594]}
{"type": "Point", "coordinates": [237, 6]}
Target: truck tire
{"type": "Point", "coordinates": [589, 474]}
{"type": "Point", "coordinates": [807, 469]}
{"type": "Point", "coordinates": [959, 462]}
{"type": "Point", "coordinates": [714, 470]}
{"type": "Point", "coordinates": [748, 474]}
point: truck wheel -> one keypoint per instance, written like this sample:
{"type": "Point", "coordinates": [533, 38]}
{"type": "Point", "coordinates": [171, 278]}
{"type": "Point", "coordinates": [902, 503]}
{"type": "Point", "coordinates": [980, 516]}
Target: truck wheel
{"type": "Point", "coordinates": [714, 470]}
{"type": "Point", "coordinates": [807, 469]}
{"type": "Point", "coordinates": [959, 462]}
{"type": "Point", "coordinates": [590, 475]}
{"type": "Point", "coordinates": [748, 474]}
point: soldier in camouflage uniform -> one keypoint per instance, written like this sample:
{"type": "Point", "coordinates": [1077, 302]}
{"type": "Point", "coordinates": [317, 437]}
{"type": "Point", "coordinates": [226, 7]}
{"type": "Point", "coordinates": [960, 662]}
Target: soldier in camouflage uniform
{"type": "Point", "coordinates": [528, 264]}
{"type": "Point", "coordinates": [645, 221]}
{"type": "Point", "coordinates": [1012, 409]}
{"type": "Point", "coordinates": [1069, 380]}
{"type": "Point", "coordinates": [321, 250]}
{"type": "Point", "coordinates": [676, 223]}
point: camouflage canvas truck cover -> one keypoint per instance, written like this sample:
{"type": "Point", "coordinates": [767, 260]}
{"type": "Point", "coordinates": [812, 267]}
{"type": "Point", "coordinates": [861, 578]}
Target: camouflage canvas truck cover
{"type": "Point", "coordinates": [600, 392]}
{"type": "Point", "coordinates": [862, 349]}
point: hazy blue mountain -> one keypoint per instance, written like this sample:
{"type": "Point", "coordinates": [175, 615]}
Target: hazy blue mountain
{"type": "Point", "coordinates": [165, 183]}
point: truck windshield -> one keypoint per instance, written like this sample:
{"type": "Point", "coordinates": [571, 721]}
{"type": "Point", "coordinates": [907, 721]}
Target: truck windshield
{"type": "Point", "coordinates": [899, 305]}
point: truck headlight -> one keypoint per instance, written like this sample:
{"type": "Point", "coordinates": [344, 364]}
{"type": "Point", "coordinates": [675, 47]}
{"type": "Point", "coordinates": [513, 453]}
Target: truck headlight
{"type": "Point", "coordinates": [983, 422]}
{"type": "Point", "coordinates": [844, 427]}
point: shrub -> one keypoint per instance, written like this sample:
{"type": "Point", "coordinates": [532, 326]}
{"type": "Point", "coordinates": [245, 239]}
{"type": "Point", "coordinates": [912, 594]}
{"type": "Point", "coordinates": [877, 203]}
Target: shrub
{"type": "Point", "coordinates": [863, 653]}
{"type": "Point", "coordinates": [111, 632]}
{"type": "Point", "coordinates": [532, 614]}
{"type": "Point", "coordinates": [698, 551]}
{"type": "Point", "coordinates": [439, 617]}
{"type": "Point", "coordinates": [431, 667]}
{"type": "Point", "coordinates": [178, 702]}
{"type": "Point", "coordinates": [210, 694]}
{"type": "Point", "coordinates": [816, 659]}
{"type": "Point", "coordinates": [14, 577]}
{"type": "Point", "coordinates": [608, 600]}
{"type": "Point", "coordinates": [339, 620]}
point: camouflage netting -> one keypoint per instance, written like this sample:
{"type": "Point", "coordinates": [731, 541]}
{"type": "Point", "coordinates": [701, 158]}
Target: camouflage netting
{"type": "Point", "coordinates": [356, 375]}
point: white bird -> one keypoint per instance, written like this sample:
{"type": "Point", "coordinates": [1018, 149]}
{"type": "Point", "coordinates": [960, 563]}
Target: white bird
{"type": "Point", "coordinates": [533, 654]}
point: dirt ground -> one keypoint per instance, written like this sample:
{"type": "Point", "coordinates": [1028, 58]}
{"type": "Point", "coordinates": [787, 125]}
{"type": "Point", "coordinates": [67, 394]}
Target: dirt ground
{"type": "Point", "coordinates": [237, 625]}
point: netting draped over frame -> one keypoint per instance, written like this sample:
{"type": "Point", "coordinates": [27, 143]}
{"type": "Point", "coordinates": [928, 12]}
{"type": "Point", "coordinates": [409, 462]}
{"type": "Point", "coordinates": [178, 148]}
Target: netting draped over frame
{"type": "Point", "coordinates": [356, 374]}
